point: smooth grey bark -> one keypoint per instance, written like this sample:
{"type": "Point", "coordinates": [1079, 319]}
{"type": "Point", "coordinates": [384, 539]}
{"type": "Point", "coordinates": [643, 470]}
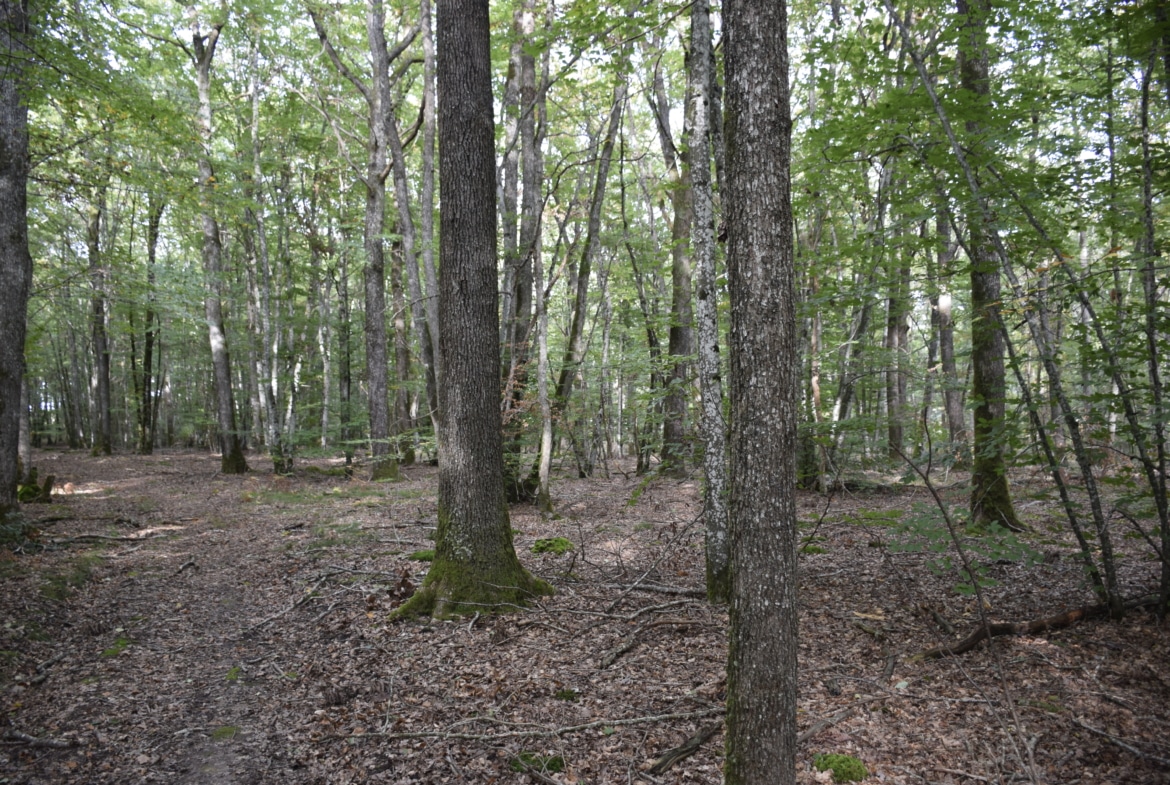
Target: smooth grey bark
{"type": "Point", "coordinates": [147, 381]}
{"type": "Point", "coordinates": [713, 427]}
{"type": "Point", "coordinates": [761, 664]}
{"type": "Point", "coordinates": [897, 347]}
{"type": "Point", "coordinates": [430, 336]}
{"type": "Point", "coordinates": [231, 451]}
{"type": "Point", "coordinates": [475, 567]}
{"type": "Point", "coordinates": [24, 437]}
{"type": "Point", "coordinates": [380, 118]}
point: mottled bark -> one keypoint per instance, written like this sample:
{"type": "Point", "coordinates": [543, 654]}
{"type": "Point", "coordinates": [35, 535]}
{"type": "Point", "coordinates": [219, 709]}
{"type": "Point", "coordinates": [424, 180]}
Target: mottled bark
{"type": "Point", "coordinates": [475, 567]}
{"type": "Point", "coordinates": [714, 429]}
{"type": "Point", "coordinates": [951, 384]}
{"type": "Point", "coordinates": [102, 441]}
{"type": "Point", "coordinates": [761, 666]}
{"type": "Point", "coordinates": [991, 501]}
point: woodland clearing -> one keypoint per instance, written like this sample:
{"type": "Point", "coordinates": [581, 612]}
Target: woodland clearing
{"type": "Point", "coordinates": [169, 623]}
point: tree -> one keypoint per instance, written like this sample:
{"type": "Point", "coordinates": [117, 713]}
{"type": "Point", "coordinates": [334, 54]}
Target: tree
{"type": "Point", "coordinates": [15, 261]}
{"type": "Point", "coordinates": [991, 501]}
{"type": "Point", "coordinates": [202, 54]}
{"type": "Point", "coordinates": [475, 566]}
{"type": "Point", "coordinates": [761, 662]}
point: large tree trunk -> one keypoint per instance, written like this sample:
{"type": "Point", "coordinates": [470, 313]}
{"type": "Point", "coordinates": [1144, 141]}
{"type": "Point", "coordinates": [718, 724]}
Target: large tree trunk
{"type": "Point", "coordinates": [761, 664]}
{"type": "Point", "coordinates": [952, 387]}
{"type": "Point", "coordinates": [147, 396]}
{"type": "Point", "coordinates": [714, 429]}
{"type": "Point", "coordinates": [15, 261]}
{"type": "Point", "coordinates": [475, 567]}
{"type": "Point", "coordinates": [231, 452]}
{"type": "Point", "coordinates": [991, 501]}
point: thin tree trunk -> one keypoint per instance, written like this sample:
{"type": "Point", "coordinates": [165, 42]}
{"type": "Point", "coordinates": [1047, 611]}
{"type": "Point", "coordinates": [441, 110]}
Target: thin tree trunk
{"type": "Point", "coordinates": [714, 428]}
{"type": "Point", "coordinates": [231, 452]}
{"type": "Point", "coordinates": [952, 386]}
{"type": "Point", "coordinates": [102, 439]}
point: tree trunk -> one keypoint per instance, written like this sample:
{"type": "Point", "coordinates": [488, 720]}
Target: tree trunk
{"type": "Point", "coordinates": [231, 452]}
{"type": "Point", "coordinates": [991, 501]}
{"type": "Point", "coordinates": [680, 339]}
{"type": "Point", "coordinates": [15, 261]}
{"type": "Point", "coordinates": [761, 665]}
{"type": "Point", "coordinates": [102, 443]}
{"type": "Point", "coordinates": [952, 387]}
{"type": "Point", "coordinates": [147, 402]}
{"type": "Point", "coordinates": [475, 567]}
{"type": "Point", "coordinates": [714, 428]}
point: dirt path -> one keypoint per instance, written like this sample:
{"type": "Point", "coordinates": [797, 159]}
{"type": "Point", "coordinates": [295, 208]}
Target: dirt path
{"type": "Point", "coordinates": [232, 630]}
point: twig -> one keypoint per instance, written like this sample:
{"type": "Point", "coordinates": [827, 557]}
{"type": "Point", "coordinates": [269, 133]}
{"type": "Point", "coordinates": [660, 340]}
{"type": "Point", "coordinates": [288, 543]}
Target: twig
{"type": "Point", "coordinates": [307, 596]}
{"type": "Point", "coordinates": [19, 737]}
{"type": "Point", "coordinates": [684, 750]}
{"type": "Point", "coordinates": [43, 668]}
{"type": "Point", "coordinates": [1122, 744]}
{"type": "Point", "coordinates": [552, 732]}
{"type": "Point", "coordinates": [632, 639]}
{"type": "Point", "coordinates": [650, 587]}
{"type": "Point", "coordinates": [189, 563]}
{"type": "Point", "coordinates": [965, 774]}
{"type": "Point", "coordinates": [110, 538]}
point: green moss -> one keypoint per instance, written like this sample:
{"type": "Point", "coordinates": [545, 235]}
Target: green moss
{"type": "Point", "coordinates": [225, 733]}
{"type": "Point", "coordinates": [120, 645]}
{"type": "Point", "coordinates": [813, 549]}
{"type": "Point", "coordinates": [525, 761]}
{"type": "Point", "coordinates": [59, 585]}
{"type": "Point", "coordinates": [567, 694]}
{"type": "Point", "coordinates": [335, 535]}
{"type": "Point", "coordinates": [385, 469]}
{"type": "Point", "coordinates": [427, 555]}
{"type": "Point", "coordinates": [557, 545]}
{"type": "Point", "coordinates": [845, 768]}
{"type": "Point", "coordinates": [233, 673]}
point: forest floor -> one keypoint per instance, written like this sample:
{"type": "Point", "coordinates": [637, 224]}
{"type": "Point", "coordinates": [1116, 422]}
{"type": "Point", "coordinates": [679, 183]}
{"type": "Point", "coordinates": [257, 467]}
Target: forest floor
{"type": "Point", "coordinates": [172, 624]}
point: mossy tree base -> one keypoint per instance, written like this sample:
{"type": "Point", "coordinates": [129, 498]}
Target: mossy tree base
{"type": "Point", "coordinates": [385, 469]}
{"type": "Point", "coordinates": [453, 590]}
{"type": "Point", "coordinates": [233, 461]}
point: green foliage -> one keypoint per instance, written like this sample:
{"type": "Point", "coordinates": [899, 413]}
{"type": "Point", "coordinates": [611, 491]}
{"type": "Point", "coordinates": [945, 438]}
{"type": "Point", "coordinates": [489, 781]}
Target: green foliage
{"type": "Point", "coordinates": [425, 555]}
{"type": "Point", "coordinates": [527, 761]}
{"type": "Point", "coordinates": [225, 733]}
{"type": "Point", "coordinates": [557, 545]}
{"type": "Point", "coordinates": [924, 530]}
{"type": "Point", "coordinates": [845, 768]}
{"type": "Point", "coordinates": [233, 673]}
{"type": "Point", "coordinates": [567, 694]}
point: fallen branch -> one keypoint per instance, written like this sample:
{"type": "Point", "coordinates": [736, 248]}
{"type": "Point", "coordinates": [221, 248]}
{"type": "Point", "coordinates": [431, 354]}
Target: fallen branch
{"type": "Point", "coordinates": [632, 639]}
{"type": "Point", "coordinates": [17, 737]}
{"type": "Point", "coordinates": [551, 732]}
{"type": "Point", "coordinates": [92, 537]}
{"type": "Point", "coordinates": [684, 750]}
{"type": "Point", "coordinates": [43, 668]}
{"type": "Point", "coordinates": [995, 630]}
{"type": "Point", "coordinates": [308, 595]}
{"type": "Point", "coordinates": [651, 587]}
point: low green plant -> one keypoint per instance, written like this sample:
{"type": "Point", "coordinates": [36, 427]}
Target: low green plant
{"type": "Point", "coordinates": [557, 545]}
{"type": "Point", "coordinates": [527, 761]}
{"type": "Point", "coordinates": [225, 733]}
{"type": "Point", "coordinates": [425, 555]}
{"type": "Point", "coordinates": [233, 673]}
{"type": "Point", "coordinates": [121, 643]}
{"type": "Point", "coordinates": [845, 768]}
{"type": "Point", "coordinates": [923, 530]}
{"type": "Point", "coordinates": [567, 694]}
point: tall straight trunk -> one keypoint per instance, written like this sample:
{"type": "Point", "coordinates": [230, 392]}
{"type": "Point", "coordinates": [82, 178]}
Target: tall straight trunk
{"type": "Point", "coordinates": [24, 437]}
{"type": "Point", "coordinates": [991, 501]}
{"type": "Point", "coordinates": [1154, 324]}
{"type": "Point", "coordinates": [147, 405]}
{"type": "Point", "coordinates": [231, 451]}
{"type": "Point", "coordinates": [430, 336]}
{"type": "Point", "coordinates": [897, 339]}
{"type": "Point", "coordinates": [681, 337]}
{"type": "Point", "coordinates": [344, 362]}
{"type": "Point", "coordinates": [260, 278]}
{"type": "Point", "coordinates": [102, 442]}
{"type": "Point", "coordinates": [475, 567]}
{"type": "Point", "coordinates": [951, 384]}
{"type": "Point", "coordinates": [761, 666]}
{"type": "Point", "coordinates": [380, 105]}
{"type": "Point", "coordinates": [714, 429]}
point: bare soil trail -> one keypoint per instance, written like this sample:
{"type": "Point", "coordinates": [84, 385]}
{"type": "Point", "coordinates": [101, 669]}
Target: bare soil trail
{"type": "Point", "coordinates": [172, 624]}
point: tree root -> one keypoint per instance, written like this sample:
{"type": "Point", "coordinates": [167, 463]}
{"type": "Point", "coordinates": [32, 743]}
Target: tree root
{"type": "Point", "coordinates": [994, 630]}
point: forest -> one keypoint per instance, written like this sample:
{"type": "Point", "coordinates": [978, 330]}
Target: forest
{"type": "Point", "coordinates": [295, 394]}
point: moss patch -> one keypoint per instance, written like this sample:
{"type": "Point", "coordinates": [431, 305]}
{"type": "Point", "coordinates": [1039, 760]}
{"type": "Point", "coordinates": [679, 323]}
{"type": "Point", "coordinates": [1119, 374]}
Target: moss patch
{"type": "Point", "coordinates": [557, 545]}
{"type": "Point", "coordinates": [527, 761]}
{"type": "Point", "coordinates": [845, 768]}
{"type": "Point", "coordinates": [427, 555]}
